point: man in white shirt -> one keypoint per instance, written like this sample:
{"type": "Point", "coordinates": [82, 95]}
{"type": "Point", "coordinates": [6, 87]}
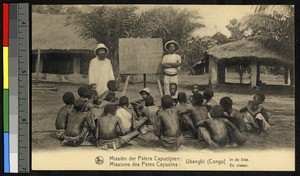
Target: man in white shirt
{"type": "Point", "coordinates": [100, 69]}
{"type": "Point", "coordinates": [171, 64]}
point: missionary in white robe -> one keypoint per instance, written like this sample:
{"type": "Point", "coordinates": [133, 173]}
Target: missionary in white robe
{"type": "Point", "coordinates": [100, 69]}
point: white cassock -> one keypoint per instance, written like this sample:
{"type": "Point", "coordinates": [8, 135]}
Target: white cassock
{"type": "Point", "coordinates": [100, 72]}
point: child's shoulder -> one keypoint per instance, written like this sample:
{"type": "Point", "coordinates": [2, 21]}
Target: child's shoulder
{"type": "Point", "coordinates": [211, 102]}
{"type": "Point", "coordinates": [235, 112]}
{"type": "Point", "coordinates": [65, 108]}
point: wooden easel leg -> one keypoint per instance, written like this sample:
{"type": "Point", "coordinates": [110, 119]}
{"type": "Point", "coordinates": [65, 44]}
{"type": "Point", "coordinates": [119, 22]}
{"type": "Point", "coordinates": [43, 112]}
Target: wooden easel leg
{"type": "Point", "coordinates": [159, 85]}
{"type": "Point", "coordinates": [126, 84]}
{"type": "Point", "coordinates": [145, 85]}
{"type": "Point", "coordinates": [37, 67]}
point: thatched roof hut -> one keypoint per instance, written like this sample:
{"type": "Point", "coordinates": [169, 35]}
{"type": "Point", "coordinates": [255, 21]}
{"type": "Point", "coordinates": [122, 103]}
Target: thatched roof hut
{"type": "Point", "coordinates": [245, 51]}
{"type": "Point", "coordinates": [49, 32]}
{"type": "Point", "coordinates": [58, 51]}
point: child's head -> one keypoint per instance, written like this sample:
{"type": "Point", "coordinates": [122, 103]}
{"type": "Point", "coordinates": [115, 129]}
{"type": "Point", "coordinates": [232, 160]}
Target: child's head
{"type": "Point", "coordinates": [226, 103]}
{"type": "Point", "coordinates": [90, 94]}
{"type": "Point", "coordinates": [123, 101]}
{"type": "Point", "coordinates": [195, 89]}
{"type": "Point", "coordinates": [259, 98]}
{"type": "Point", "coordinates": [112, 85]}
{"type": "Point", "coordinates": [181, 97]}
{"type": "Point", "coordinates": [78, 104]}
{"type": "Point", "coordinates": [145, 92]}
{"type": "Point", "coordinates": [95, 93]}
{"type": "Point", "coordinates": [110, 109]}
{"type": "Point", "coordinates": [109, 96]}
{"type": "Point", "coordinates": [68, 98]}
{"type": "Point", "coordinates": [82, 91]}
{"type": "Point", "coordinates": [217, 111]}
{"type": "Point", "coordinates": [166, 102]}
{"type": "Point", "coordinates": [197, 99]}
{"type": "Point", "coordinates": [149, 101]}
{"type": "Point", "coordinates": [173, 88]}
{"type": "Point", "coordinates": [208, 94]}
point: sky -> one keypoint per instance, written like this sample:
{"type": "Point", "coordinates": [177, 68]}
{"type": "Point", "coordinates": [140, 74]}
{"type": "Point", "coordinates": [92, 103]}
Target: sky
{"type": "Point", "coordinates": [215, 17]}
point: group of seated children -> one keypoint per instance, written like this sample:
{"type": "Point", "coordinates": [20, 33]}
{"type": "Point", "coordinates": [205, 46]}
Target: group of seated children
{"type": "Point", "coordinates": [104, 119]}
{"type": "Point", "coordinates": [216, 124]}
{"type": "Point", "coordinates": [110, 122]}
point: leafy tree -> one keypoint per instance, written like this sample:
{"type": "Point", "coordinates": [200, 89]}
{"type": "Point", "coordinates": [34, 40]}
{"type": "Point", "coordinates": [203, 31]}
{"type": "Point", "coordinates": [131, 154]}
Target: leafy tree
{"type": "Point", "coordinates": [274, 27]}
{"type": "Point", "coordinates": [220, 38]}
{"type": "Point", "coordinates": [55, 9]}
{"type": "Point", "coordinates": [192, 52]}
{"type": "Point", "coordinates": [235, 29]}
{"type": "Point", "coordinates": [107, 24]}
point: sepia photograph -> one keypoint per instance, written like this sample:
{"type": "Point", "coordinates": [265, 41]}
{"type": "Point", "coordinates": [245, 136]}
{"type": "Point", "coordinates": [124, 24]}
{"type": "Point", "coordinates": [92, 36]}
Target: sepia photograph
{"type": "Point", "coordinates": [163, 87]}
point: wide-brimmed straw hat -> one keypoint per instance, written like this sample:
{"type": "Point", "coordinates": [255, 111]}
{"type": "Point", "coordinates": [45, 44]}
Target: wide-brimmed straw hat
{"type": "Point", "coordinates": [172, 42]}
{"type": "Point", "coordinates": [99, 46]}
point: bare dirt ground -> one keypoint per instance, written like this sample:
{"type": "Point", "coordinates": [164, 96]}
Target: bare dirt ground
{"type": "Point", "coordinates": [46, 103]}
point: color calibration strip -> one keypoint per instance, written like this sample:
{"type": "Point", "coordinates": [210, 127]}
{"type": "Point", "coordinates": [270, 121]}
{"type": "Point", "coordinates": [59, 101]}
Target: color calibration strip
{"type": "Point", "coordinates": [5, 87]}
{"type": "Point", "coordinates": [16, 87]}
{"type": "Point", "coordinates": [13, 87]}
{"type": "Point", "coordinates": [23, 88]}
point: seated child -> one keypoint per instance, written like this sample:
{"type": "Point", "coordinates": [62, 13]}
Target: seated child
{"type": "Point", "coordinates": [61, 120]}
{"type": "Point", "coordinates": [167, 125]}
{"type": "Point", "coordinates": [209, 102]}
{"type": "Point", "coordinates": [218, 131]}
{"type": "Point", "coordinates": [82, 92]}
{"type": "Point", "coordinates": [112, 87]}
{"type": "Point", "coordinates": [173, 93]}
{"type": "Point", "coordinates": [197, 113]}
{"type": "Point", "coordinates": [128, 116]}
{"type": "Point", "coordinates": [76, 131]}
{"type": "Point", "coordinates": [150, 109]}
{"type": "Point", "coordinates": [109, 99]}
{"type": "Point", "coordinates": [255, 114]}
{"type": "Point", "coordinates": [91, 95]}
{"type": "Point", "coordinates": [138, 104]}
{"type": "Point", "coordinates": [107, 130]}
{"type": "Point", "coordinates": [187, 122]}
{"type": "Point", "coordinates": [233, 115]}
{"type": "Point", "coordinates": [195, 89]}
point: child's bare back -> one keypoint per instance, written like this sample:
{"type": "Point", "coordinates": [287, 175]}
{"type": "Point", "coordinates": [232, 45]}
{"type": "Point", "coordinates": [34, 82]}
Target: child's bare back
{"type": "Point", "coordinates": [108, 127]}
{"type": "Point", "coordinates": [62, 115]}
{"type": "Point", "coordinates": [198, 114]}
{"type": "Point", "coordinates": [217, 130]}
{"type": "Point", "coordinates": [170, 122]}
{"type": "Point", "coordinates": [61, 120]}
{"type": "Point", "coordinates": [76, 122]}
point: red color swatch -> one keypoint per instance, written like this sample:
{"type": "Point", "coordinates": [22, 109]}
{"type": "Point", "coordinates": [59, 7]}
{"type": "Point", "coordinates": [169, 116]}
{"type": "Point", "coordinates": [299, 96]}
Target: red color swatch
{"type": "Point", "coordinates": [5, 24]}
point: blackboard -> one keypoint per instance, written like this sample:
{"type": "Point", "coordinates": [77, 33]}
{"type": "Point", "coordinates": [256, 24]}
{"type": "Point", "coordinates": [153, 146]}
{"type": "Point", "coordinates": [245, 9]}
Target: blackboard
{"type": "Point", "coordinates": [140, 55]}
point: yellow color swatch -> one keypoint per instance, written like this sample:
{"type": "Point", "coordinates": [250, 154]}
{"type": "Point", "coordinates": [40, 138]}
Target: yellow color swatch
{"type": "Point", "coordinates": [5, 67]}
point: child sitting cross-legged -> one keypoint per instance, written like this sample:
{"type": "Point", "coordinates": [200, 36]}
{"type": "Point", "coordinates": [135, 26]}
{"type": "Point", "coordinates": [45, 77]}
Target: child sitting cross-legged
{"type": "Point", "coordinates": [107, 134]}
{"type": "Point", "coordinates": [255, 115]}
{"type": "Point", "coordinates": [128, 116]}
{"type": "Point", "coordinates": [79, 125]}
{"type": "Point", "coordinates": [61, 120]}
{"type": "Point", "coordinates": [218, 131]}
{"type": "Point", "coordinates": [233, 115]}
{"type": "Point", "coordinates": [187, 122]}
{"type": "Point", "coordinates": [167, 125]}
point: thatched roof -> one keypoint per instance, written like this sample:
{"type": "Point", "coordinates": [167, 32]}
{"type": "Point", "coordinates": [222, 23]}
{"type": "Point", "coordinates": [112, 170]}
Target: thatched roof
{"type": "Point", "coordinates": [50, 33]}
{"type": "Point", "coordinates": [247, 50]}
